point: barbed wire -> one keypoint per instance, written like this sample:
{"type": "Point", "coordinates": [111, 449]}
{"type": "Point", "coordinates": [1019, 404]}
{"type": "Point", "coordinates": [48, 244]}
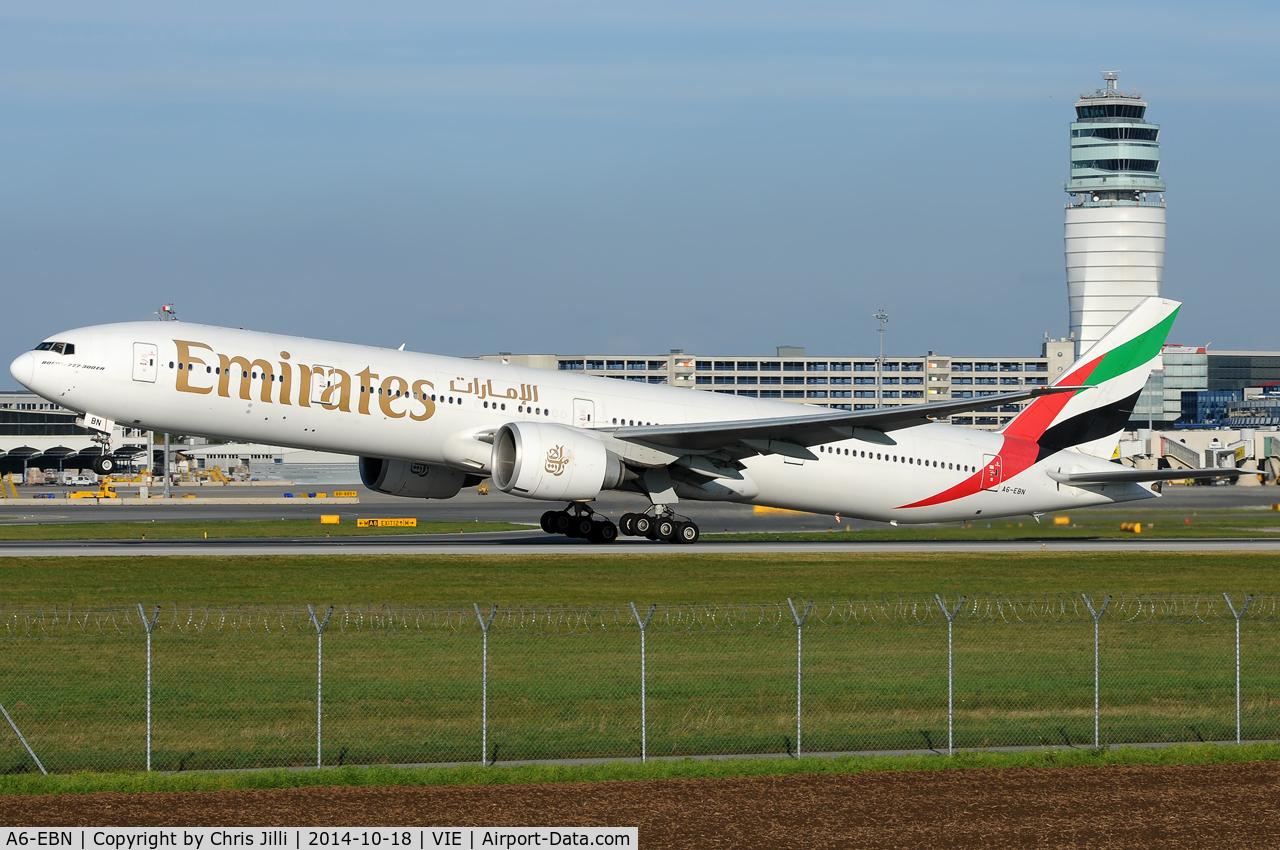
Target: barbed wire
{"type": "Point", "coordinates": [390, 620]}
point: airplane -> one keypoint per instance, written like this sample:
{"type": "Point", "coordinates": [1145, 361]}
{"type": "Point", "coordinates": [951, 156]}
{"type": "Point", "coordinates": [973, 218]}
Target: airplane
{"type": "Point", "coordinates": [425, 426]}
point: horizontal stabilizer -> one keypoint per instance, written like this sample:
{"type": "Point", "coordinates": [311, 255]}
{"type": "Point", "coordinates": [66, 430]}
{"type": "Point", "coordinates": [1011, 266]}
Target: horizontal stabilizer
{"type": "Point", "coordinates": [1125, 474]}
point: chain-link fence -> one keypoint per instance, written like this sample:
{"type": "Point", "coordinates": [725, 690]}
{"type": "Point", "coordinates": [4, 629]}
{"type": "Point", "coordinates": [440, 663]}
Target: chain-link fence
{"type": "Point", "coordinates": [180, 687]}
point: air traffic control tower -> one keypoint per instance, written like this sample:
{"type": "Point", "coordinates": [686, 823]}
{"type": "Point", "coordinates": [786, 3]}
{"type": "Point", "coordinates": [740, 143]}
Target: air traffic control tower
{"type": "Point", "coordinates": [1115, 219]}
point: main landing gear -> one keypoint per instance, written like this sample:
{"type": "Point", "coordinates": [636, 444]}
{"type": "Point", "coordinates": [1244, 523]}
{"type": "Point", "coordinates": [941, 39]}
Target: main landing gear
{"type": "Point", "coordinates": [578, 520]}
{"type": "Point", "coordinates": [659, 526]}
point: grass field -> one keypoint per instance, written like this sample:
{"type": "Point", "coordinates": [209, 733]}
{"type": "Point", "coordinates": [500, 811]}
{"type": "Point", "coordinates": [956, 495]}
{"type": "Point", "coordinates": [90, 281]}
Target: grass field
{"type": "Point", "coordinates": [129, 783]}
{"type": "Point", "coordinates": [1082, 525]}
{"type": "Point", "coordinates": [248, 700]}
{"type": "Point", "coordinates": [170, 530]}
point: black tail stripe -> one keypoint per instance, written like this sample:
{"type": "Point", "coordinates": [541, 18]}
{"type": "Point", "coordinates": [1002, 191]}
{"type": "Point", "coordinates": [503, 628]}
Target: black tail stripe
{"type": "Point", "coordinates": [1090, 425]}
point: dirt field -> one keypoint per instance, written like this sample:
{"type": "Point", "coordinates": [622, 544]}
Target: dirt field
{"type": "Point", "coordinates": [1215, 805]}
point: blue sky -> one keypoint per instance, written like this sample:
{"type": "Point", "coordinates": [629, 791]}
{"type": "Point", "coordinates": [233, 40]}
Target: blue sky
{"type": "Point", "coordinates": [718, 177]}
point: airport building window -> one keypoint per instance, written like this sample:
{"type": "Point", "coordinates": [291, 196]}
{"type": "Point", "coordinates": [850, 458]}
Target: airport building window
{"type": "Point", "coordinates": [793, 393]}
{"type": "Point", "coordinates": [913, 367]}
{"type": "Point", "coordinates": [724, 365]}
{"type": "Point", "coordinates": [639, 378]}
{"type": "Point", "coordinates": [864, 407]}
{"type": "Point", "coordinates": [566, 365]}
{"type": "Point", "coordinates": [749, 393]}
{"type": "Point", "coordinates": [816, 381]}
{"type": "Point", "coordinates": [891, 367]}
{"type": "Point", "coordinates": [616, 365]}
{"type": "Point", "coordinates": [913, 393]}
{"type": "Point", "coordinates": [1037, 367]}
{"type": "Point", "coordinates": [792, 366]}
{"type": "Point", "coordinates": [864, 380]}
{"type": "Point", "coordinates": [913, 380]}
{"type": "Point", "coordinates": [724, 379]}
{"type": "Point", "coordinates": [657, 365]}
{"type": "Point", "coordinates": [844, 366]}
{"type": "Point", "coordinates": [864, 393]}
{"type": "Point", "coordinates": [864, 367]}
{"type": "Point", "coordinates": [890, 394]}
{"type": "Point", "coordinates": [891, 380]}
{"type": "Point", "coordinates": [595, 365]}
{"type": "Point", "coordinates": [771, 394]}
{"type": "Point", "coordinates": [1037, 381]}
{"type": "Point", "coordinates": [984, 380]}
{"type": "Point", "coordinates": [635, 365]}
{"type": "Point", "coordinates": [817, 394]}
{"type": "Point", "coordinates": [841, 394]}
{"type": "Point", "coordinates": [1014, 381]}
{"type": "Point", "coordinates": [817, 367]}
{"type": "Point", "coordinates": [961, 367]}
{"type": "Point", "coordinates": [745, 379]}
{"type": "Point", "coordinates": [1010, 367]}
{"type": "Point", "coordinates": [962, 381]}
{"type": "Point", "coordinates": [703, 365]}
{"type": "Point", "coordinates": [842, 380]}
{"type": "Point", "coordinates": [962, 393]}
{"type": "Point", "coordinates": [748, 366]}
{"type": "Point", "coordinates": [985, 367]}
{"type": "Point", "coordinates": [703, 379]}
{"type": "Point", "coordinates": [770, 366]}
{"type": "Point", "coordinates": [771, 379]}
{"type": "Point", "coordinates": [792, 380]}
{"type": "Point", "coordinates": [657, 379]}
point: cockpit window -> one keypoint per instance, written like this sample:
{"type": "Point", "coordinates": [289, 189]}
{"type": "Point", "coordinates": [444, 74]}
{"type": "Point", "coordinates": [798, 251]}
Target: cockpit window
{"type": "Point", "coordinates": [44, 346]}
{"type": "Point", "coordinates": [57, 347]}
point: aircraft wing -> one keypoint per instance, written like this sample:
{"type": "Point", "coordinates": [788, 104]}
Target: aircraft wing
{"type": "Point", "coordinates": [792, 435]}
{"type": "Point", "coordinates": [1122, 475]}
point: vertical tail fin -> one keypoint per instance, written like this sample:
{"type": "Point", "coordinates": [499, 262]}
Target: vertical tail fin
{"type": "Point", "coordinates": [1113, 372]}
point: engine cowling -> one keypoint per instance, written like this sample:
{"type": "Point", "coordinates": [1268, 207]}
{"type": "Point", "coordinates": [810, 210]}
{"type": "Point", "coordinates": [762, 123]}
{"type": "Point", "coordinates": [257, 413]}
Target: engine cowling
{"type": "Point", "coordinates": [414, 480]}
{"type": "Point", "coordinates": [552, 462]}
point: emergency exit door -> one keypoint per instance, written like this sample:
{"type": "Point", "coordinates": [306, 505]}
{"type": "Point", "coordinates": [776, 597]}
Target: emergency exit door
{"type": "Point", "coordinates": [321, 383]}
{"type": "Point", "coordinates": [584, 412]}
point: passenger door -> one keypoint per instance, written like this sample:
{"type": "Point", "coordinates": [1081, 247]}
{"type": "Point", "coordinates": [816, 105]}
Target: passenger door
{"type": "Point", "coordinates": [145, 355]}
{"type": "Point", "coordinates": [321, 381]}
{"type": "Point", "coordinates": [584, 413]}
{"type": "Point", "coordinates": [991, 472]}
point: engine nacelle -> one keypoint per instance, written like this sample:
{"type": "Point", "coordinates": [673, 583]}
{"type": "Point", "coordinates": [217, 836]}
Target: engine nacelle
{"type": "Point", "coordinates": [553, 462]}
{"type": "Point", "coordinates": [414, 480]}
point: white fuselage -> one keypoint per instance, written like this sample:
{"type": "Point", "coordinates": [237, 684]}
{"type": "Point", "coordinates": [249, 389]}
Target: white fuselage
{"type": "Point", "coordinates": [361, 400]}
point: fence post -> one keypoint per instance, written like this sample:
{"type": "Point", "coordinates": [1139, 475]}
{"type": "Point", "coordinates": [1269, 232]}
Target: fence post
{"type": "Point", "coordinates": [30, 751]}
{"type": "Point", "coordinates": [1097, 615]}
{"type": "Point", "coordinates": [799, 618]}
{"type": "Point", "coordinates": [319, 624]}
{"type": "Point", "coordinates": [484, 679]}
{"type": "Point", "coordinates": [1238, 614]}
{"type": "Point", "coordinates": [644, 721]}
{"type": "Point", "coordinates": [148, 625]}
{"type": "Point", "coordinates": [950, 614]}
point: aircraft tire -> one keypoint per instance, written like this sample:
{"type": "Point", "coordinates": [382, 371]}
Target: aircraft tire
{"type": "Point", "coordinates": [641, 525]}
{"type": "Point", "coordinates": [547, 522]}
{"type": "Point", "coordinates": [561, 522]}
{"type": "Point", "coordinates": [687, 532]}
{"type": "Point", "coordinates": [626, 524]}
{"type": "Point", "coordinates": [603, 532]}
{"type": "Point", "coordinates": [664, 529]}
{"type": "Point", "coordinates": [104, 465]}
{"type": "Point", "coordinates": [581, 527]}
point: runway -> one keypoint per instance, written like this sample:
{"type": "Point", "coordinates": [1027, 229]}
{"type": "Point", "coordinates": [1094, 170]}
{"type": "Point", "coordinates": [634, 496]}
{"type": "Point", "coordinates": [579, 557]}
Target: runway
{"type": "Point", "coordinates": [523, 543]}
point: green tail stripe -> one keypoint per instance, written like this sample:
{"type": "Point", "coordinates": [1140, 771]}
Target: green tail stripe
{"type": "Point", "coordinates": [1132, 354]}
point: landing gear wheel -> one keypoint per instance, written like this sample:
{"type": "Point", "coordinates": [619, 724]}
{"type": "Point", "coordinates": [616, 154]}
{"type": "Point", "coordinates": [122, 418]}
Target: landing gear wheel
{"type": "Point", "coordinates": [104, 465]}
{"type": "Point", "coordinates": [626, 525]}
{"type": "Point", "coordinates": [686, 532]}
{"type": "Point", "coordinates": [664, 529]}
{"type": "Point", "coordinates": [548, 522]}
{"type": "Point", "coordinates": [581, 526]}
{"type": "Point", "coordinates": [603, 532]}
{"type": "Point", "coordinates": [561, 522]}
{"type": "Point", "coordinates": [641, 525]}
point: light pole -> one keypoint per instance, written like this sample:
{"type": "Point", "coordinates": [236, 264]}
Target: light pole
{"type": "Point", "coordinates": [882, 317]}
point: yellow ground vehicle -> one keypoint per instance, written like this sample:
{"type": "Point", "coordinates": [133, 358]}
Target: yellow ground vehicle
{"type": "Point", "coordinates": [106, 490]}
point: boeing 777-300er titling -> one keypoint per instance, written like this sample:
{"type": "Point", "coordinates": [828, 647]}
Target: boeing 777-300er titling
{"type": "Point", "coordinates": [425, 426]}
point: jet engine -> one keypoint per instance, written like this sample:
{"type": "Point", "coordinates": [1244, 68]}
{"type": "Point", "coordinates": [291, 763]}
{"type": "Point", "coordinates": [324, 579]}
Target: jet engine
{"type": "Point", "coordinates": [553, 462]}
{"type": "Point", "coordinates": [414, 480]}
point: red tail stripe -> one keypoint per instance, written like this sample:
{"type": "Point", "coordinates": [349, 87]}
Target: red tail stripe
{"type": "Point", "coordinates": [1039, 415]}
{"type": "Point", "coordinates": [1016, 456]}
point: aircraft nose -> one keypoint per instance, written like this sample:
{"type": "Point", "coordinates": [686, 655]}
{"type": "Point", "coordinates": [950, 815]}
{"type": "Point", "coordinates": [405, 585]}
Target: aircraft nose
{"type": "Point", "coordinates": [23, 367]}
